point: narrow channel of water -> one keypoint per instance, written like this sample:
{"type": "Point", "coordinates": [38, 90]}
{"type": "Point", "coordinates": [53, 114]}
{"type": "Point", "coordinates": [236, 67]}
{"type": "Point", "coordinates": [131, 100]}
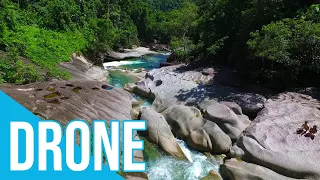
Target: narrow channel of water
{"type": "Point", "coordinates": [161, 166]}
{"type": "Point", "coordinates": [168, 168]}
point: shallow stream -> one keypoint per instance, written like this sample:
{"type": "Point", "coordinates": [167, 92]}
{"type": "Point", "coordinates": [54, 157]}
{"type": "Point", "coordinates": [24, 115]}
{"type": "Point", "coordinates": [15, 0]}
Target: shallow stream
{"type": "Point", "coordinates": [161, 166]}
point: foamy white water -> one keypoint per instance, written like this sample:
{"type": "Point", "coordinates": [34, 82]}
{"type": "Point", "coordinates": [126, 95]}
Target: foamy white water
{"type": "Point", "coordinates": [120, 63]}
{"type": "Point", "coordinates": [169, 168]}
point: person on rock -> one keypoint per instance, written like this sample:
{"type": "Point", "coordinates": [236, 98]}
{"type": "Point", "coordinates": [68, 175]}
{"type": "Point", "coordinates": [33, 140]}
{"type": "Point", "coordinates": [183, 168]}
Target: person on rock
{"type": "Point", "coordinates": [312, 132]}
{"type": "Point", "coordinates": [304, 129]}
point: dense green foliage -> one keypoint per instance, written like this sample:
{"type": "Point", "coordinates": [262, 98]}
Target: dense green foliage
{"type": "Point", "coordinates": [164, 5]}
{"type": "Point", "coordinates": [14, 70]}
{"type": "Point", "coordinates": [270, 40]}
{"type": "Point", "coordinates": [286, 49]}
{"type": "Point", "coordinates": [175, 27]}
{"type": "Point", "coordinates": [48, 32]}
{"type": "Point", "coordinates": [273, 41]}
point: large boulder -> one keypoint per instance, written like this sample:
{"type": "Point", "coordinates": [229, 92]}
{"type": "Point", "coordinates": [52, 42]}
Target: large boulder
{"type": "Point", "coordinates": [188, 124]}
{"type": "Point", "coordinates": [159, 132]}
{"type": "Point", "coordinates": [143, 90]}
{"type": "Point", "coordinates": [227, 115]}
{"type": "Point", "coordinates": [250, 103]}
{"type": "Point", "coordinates": [169, 86]}
{"type": "Point", "coordinates": [234, 169]}
{"type": "Point", "coordinates": [212, 176]}
{"type": "Point", "coordinates": [272, 141]}
{"type": "Point", "coordinates": [69, 100]}
{"type": "Point", "coordinates": [161, 103]}
{"type": "Point", "coordinates": [82, 69]}
{"type": "Point", "coordinates": [183, 85]}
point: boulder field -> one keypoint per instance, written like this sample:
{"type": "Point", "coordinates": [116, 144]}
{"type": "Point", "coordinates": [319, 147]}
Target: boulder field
{"type": "Point", "coordinates": [211, 117]}
{"type": "Point", "coordinates": [227, 115]}
{"type": "Point", "coordinates": [177, 84]}
{"type": "Point", "coordinates": [188, 124]}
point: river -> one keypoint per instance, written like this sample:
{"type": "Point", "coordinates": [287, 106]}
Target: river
{"type": "Point", "coordinates": [161, 166]}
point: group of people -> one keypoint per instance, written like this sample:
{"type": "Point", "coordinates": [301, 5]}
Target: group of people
{"type": "Point", "coordinates": [306, 131]}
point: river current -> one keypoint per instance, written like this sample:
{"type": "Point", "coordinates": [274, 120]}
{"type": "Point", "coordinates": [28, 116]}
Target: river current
{"type": "Point", "coordinates": [161, 166]}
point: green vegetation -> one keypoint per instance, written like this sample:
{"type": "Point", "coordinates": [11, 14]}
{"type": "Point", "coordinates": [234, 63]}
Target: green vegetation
{"type": "Point", "coordinates": [270, 40]}
{"type": "Point", "coordinates": [48, 32]}
{"type": "Point", "coordinates": [164, 5]}
{"type": "Point", "coordinates": [150, 152]}
{"type": "Point", "coordinates": [286, 50]}
{"type": "Point", "coordinates": [14, 70]}
{"type": "Point", "coordinates": [45, 48]}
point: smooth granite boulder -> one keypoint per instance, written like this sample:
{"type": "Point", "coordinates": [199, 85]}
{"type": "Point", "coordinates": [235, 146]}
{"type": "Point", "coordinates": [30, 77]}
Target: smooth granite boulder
{"type": "Point", "coordinates": [159, 132]}
{"type": "Point", "coordinates": [130, 53]}
{"type": "Point", "coordinates": [82, 69]}
{"type": "Point", "coordinates": [250, 103]}
{"type": "Point", "coordinates": [272, 141]}
{"type": "Point", "coordinates": [303, 99]}
{"type": "Point", "coordinates": [188, 124]}
{"type": "Point", "coordinates": [234, 169]}
{"type": "Point", "coordinates": [227, 115]}
{"type": "Point", "coordinates": [212, 176]}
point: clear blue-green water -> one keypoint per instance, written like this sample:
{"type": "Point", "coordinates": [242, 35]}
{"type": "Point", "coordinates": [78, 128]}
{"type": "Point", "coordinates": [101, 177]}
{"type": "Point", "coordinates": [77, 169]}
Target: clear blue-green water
{"type": "Point", "coordinates": [148, 62]}
{"type": "Point", "coordinates": [119, 79]}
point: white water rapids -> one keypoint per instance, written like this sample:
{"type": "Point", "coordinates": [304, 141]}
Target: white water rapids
{"type": "Point", "coordinates": [169, 168]}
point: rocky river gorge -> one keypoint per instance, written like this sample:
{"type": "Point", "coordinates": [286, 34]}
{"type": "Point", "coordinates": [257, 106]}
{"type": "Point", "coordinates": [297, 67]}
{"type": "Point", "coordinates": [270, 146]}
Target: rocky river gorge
{"type": "Point", "coordinates": [201, 125]}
